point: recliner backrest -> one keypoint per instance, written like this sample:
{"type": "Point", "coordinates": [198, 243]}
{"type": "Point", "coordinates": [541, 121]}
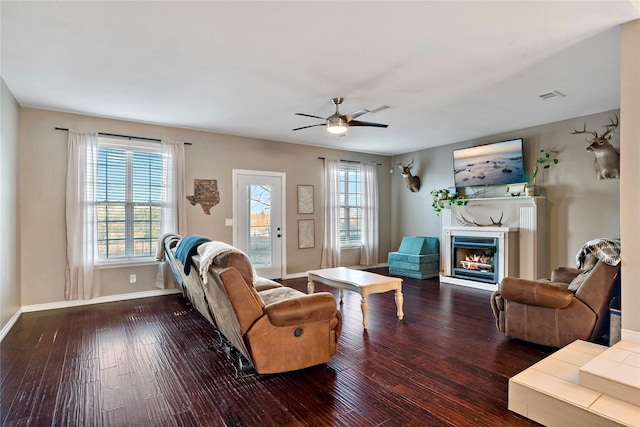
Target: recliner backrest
{"type": "Point", "coordinates": [597, 285]}
{"type": "Point", "coordinates": [597, 290]}
{"type": "Point", "coordinates": [246, 303]}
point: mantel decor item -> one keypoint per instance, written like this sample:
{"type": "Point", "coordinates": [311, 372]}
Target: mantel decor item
{"type": "Point", "coordinates": [305, 199]}
{"type": "Point", "coordinates": [515, 190]}
{"type": "Point", "coordinates": [446, 197]}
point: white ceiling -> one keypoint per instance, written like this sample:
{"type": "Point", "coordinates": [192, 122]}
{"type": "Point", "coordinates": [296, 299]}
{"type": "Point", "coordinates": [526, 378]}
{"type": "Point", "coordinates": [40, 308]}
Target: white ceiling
{"type": "Point", "coordinates": [450, 70]}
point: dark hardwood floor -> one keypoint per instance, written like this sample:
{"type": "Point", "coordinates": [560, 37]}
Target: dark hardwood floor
{"type": "Point", "coordinates": [156, 361]}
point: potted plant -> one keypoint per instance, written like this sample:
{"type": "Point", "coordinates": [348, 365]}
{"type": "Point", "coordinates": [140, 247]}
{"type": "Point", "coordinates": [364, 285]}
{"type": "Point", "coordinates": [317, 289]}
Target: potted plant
{"type": "Point", "coordinates": [547, 158]}
{"type": "Point", "coordinates": [444, 197]}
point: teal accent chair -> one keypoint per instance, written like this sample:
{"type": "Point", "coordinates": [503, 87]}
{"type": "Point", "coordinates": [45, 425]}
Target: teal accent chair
{"type": "Point", "coordinates": [418, 257]}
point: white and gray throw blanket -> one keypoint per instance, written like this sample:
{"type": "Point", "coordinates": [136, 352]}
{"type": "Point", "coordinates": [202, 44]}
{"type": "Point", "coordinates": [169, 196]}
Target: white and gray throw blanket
{"type": "Point", "coordinates": [606, 250]}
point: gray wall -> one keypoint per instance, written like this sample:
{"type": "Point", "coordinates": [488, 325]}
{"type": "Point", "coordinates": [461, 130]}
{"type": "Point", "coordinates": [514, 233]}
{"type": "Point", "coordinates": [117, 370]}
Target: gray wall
{"type": "Point", "coordinates": [9, 206]}
{"type": "Point", "coordinates": [579, 206]}
{"type": "Point", "coordinates": [212, 156]}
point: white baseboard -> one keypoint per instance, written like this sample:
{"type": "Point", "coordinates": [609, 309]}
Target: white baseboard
{"type": "Point", "coordinates": [354, 267]}
{"type": "Point", "coordinates": [98, 300]}
{"type": "Point", "coordinates": [630, 336]}
{"type": "Point", "coordinates": [10, 324]}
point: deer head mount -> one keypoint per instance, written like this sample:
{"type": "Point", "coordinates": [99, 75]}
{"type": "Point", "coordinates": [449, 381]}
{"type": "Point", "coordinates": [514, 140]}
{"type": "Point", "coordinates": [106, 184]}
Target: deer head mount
{"type": "Point", "coordinates": [607, 161]}
{"type": "Point", "coordinates": [413, 182]}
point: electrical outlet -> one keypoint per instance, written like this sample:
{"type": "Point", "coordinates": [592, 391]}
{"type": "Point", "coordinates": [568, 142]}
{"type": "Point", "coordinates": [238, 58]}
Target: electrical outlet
{"type": "Point", "coordinates": [132, 278]}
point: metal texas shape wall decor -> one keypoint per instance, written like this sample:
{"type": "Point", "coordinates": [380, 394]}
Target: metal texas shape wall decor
{"type": "Point", "coordinates": [205, 192]}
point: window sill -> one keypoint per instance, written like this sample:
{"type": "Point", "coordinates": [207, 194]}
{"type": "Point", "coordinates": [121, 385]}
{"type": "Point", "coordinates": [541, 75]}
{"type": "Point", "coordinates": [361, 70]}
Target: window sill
{"type": "Point", "coordinates": [350, 247]}
{"type": "Point", "coordinates": [129, 263]}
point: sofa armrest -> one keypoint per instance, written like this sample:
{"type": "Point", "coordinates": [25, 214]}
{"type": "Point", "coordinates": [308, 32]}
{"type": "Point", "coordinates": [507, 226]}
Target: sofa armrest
{"type": "Point", "coordinates": [306, 308]}
{"type": "Point", "coordinates": [565, 274]}
{"type": "Point", "coordinates": [532, 292]}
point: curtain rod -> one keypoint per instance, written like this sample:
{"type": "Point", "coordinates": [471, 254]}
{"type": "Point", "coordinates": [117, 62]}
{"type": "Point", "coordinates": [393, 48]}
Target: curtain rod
{"type": "Point", "coordinates": [116, 135]}
{"type": "Point", "coordinates": [349, 161]}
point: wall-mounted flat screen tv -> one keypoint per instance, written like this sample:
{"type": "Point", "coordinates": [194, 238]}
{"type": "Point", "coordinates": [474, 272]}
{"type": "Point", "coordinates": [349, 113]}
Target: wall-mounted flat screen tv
{"type": "Point", "coordinates": [498, 163]}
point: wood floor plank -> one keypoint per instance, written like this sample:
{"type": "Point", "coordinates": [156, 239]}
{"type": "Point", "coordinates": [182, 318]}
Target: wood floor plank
{"type": "Point", "coordinates": [156, 361]}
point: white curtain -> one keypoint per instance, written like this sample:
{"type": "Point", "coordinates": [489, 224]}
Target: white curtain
{"type": "Point", "coordinates": [369, 203]}
{"type": "Point", "coordinates": [173, 218]}
{"type": "Point", "coordinates": [82, 274]}
{"type": "Point", "coordinates": [331, 240]}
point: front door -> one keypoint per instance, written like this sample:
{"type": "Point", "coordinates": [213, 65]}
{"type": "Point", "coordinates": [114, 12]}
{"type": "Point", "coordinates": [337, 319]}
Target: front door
{"type": "Point", "coordinates": [258, 219]}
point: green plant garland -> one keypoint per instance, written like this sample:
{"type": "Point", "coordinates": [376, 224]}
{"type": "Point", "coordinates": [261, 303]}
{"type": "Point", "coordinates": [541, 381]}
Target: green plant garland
{"type": "Point", "coordinates": [443, 198]}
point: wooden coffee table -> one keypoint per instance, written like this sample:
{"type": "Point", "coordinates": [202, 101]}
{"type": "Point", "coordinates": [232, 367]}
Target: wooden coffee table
{"type": "Point", "coordinates": [362, 282]}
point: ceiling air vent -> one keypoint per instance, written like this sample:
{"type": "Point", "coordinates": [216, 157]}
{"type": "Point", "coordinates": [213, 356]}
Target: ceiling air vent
{"type": "Point", "coordinates": [549, 96]}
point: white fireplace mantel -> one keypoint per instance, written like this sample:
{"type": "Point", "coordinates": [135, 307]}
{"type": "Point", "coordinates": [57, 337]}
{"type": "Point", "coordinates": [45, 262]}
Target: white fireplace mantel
{"type": "Point", "coordinates": [526, 214]}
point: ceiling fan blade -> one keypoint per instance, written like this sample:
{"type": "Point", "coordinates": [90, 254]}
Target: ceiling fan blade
{"type": "Point", "coordinates": [359, 113]}
{"type": "Point", "coordinates": [380, 108]}
{"type": "Point", "coordinates": [356, 114]}
{"type": "Point", "coordinates": [310, 126]}
{"type": "Point", "coordinates": [359, 123]}
{"type": "Point", "coordinates": [309, 115]}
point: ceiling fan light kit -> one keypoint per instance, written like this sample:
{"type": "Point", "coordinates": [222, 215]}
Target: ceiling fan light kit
{"type": "Point", "coordinates": [337, 123]}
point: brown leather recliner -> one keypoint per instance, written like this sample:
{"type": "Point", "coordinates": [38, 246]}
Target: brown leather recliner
{"type": "Point", "coordinates": [573, 305]}
{"type": "Point", "coordinates": [276, 328]}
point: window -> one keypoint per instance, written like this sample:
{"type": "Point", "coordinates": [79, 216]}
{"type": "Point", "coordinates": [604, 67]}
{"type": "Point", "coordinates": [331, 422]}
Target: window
{"type": "Point", "coordinates": [350, 206]}
{"type": "Point", "coordinates": [129, 189]}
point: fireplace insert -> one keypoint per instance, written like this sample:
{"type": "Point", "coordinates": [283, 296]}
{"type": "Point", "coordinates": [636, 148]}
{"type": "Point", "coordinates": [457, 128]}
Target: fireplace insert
{"type": "Point", "coordinates": [475, 258]}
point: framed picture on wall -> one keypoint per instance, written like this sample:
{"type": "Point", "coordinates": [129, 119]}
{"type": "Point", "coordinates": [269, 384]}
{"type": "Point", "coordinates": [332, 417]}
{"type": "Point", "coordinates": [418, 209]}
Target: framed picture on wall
{"type": "Point", "coordinates": [306, 233]}
{"type": "Point", "coordinates": [305, 199]}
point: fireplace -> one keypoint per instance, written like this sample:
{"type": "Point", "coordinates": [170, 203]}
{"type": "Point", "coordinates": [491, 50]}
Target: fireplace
{"type": "Point", "coordinates": [475, 258]}
{"type": "Point", "coordinates": [526, 215]}
{"type": "Point", "coordinates": [479, 257]}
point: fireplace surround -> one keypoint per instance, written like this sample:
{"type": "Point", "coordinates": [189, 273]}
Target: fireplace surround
{"type": "Point", "coordinates": [479, 257]}
{"type": "Point", "coordinates": [526, 216]}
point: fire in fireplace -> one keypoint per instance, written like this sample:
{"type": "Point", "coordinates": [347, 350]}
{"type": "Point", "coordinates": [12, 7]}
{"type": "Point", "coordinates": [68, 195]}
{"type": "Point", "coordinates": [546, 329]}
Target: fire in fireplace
{"type": "Point", "coordinates": [475, 258]}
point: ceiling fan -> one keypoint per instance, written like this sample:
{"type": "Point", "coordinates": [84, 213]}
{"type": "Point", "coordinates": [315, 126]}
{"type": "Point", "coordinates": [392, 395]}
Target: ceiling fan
{"type": "Point", "coordinates": [338, 123]}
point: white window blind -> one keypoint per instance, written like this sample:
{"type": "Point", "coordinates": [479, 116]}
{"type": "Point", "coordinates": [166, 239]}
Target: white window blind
{"type": "Point", "coordinates": [350, 206]}
{"type": "Point", "coordinates": [129, 188]}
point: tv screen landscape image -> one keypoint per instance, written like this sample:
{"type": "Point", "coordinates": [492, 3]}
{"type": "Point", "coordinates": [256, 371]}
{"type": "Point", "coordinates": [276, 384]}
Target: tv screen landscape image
{"type": "Point", "coordinates": [498, 163]}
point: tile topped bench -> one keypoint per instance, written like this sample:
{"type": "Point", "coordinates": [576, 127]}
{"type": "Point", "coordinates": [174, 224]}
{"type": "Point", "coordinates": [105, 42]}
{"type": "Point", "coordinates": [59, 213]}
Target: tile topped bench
{"type": "Point", "coordinates": [582, 384]}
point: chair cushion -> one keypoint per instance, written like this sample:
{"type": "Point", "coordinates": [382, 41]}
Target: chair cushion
{"type": "Point", "coordinates": [578, 281]}
{"type": "Point", "coordinates": [419, 245]}
{"type": "Point", "coordinates": [588, 265]}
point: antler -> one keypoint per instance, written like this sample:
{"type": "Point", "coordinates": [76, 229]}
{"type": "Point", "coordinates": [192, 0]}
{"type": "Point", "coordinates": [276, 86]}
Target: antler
{"type": "Point", "coordinates": [584, 130]}
{"type": "Point", "coordinates": [611, 126]}
{"type": "Point", "coordinates": [409, 165]}
{"type": "Point", "coordinates": [465, 221]}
